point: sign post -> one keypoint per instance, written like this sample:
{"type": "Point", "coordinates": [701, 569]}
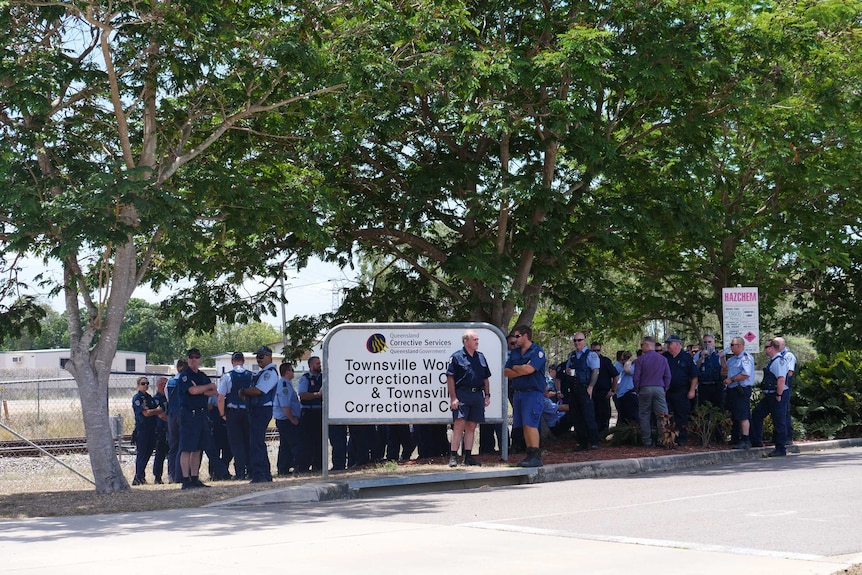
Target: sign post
{"type": "Point", "coordinates": [396, 373]}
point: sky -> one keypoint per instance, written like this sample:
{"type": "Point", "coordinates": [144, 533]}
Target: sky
{"type": "Point", "coordinates": [311, 291]}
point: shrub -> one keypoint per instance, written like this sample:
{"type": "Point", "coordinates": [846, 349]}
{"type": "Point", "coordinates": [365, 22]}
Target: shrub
{"type": "Point", "coordinates": [827, 395]}
{"type": "Point", "coordinates": [708, 423]}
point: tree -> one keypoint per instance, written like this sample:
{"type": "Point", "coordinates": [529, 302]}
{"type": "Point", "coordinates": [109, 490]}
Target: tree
{"type": "Point", "coordinates": [144, 330]}
{"type": "Point", "coordinates": [226, 338]}
{"type": "Point", "coordinates": [480, 140]}
{"type": "Point", "coordinates": [770, 199]}
{"type": "Point", "coordinates": [125, 129]}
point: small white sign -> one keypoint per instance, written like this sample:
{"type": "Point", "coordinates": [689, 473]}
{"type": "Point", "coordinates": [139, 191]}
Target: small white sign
{"type": "Point", "coordinates": [742, 316]}
{"type": "Point", "coordinates": [396, 373]}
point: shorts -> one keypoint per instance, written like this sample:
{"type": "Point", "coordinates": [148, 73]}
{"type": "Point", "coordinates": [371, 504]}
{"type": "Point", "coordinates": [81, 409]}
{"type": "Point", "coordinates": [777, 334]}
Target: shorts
{"type": "Point", "coordinates": [739, 402]}
{"type": "Point", "coordinates": [471, 406]}
{"type": "Point", "coordinates": [194, 430]}
{"type": "Point", "coordinates": [527, 408]}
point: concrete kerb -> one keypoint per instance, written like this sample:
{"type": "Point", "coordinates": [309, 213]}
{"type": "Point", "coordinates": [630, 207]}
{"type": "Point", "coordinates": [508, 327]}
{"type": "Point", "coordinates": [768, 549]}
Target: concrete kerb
{"type": "Point", "coordinates": [495, 476]}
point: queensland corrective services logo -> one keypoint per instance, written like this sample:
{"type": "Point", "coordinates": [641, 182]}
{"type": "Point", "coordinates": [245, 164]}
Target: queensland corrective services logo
{"type": "Point", "coordinates": [376, 343]}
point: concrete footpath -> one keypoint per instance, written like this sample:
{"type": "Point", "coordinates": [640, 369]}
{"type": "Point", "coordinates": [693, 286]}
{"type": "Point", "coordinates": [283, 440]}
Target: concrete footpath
{"type": "Point", "coordinates": [467, 478]}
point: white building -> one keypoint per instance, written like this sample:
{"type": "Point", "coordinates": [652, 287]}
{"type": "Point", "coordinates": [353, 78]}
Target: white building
{"type": "Point", "coordinates": [45, 359]}
{"type": "Point", "coordinates": [223, 363]}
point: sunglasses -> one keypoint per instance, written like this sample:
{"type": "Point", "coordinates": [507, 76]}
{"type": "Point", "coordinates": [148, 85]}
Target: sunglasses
{"type": "Point", "coordinates": [517, 335]}
{"type": "Point", "coordinates": [144, 383]}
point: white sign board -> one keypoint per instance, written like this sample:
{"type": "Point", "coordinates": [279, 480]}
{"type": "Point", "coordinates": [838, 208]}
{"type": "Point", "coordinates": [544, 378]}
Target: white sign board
{"type": "Point", "coordinates": [741, 316]}
{"type": "Point", "coordinates": [396, 373]}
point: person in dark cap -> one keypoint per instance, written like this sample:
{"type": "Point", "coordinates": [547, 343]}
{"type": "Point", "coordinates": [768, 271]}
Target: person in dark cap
{"type": "Point", "coordinates": [232, 409]}
{"type": "Point", "coordinates": [683, 385]}
{"type": "Point", "coordinates": [195, 388]}
{"type": "Point", "coordinates": [259, 398]}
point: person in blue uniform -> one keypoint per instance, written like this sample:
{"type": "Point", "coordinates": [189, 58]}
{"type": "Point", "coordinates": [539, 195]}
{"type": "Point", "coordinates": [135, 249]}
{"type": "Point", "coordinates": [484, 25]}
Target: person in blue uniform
{"type": "Point", "coordinates": [683, 385]}
{"type": "Point", "coordinates": [161, 400]}
{"type": "Point", "coordinates": [286, 409]}
{"type": "Point", "coordinates": [233, 411]}
{"type": "Point", "coordinates": [709, 380]}
{"type": "Point", "coordinates": [174, 410]}
{"type": "Point", "coordinates": [218, 453]}
{"type": "Point", "coordinates": [259, 399]}
{"type": "Point", "coordinates": [525, 369]}
{"type": "Point", "coordinates": [469, 395]}
{"type": "Point", "coordinates": [195, 388]}
{"type": "Point", "coordinates": [790, 361]}
{"type": "Point", "coordinates": [626, 398]}
{"type": "Point", "coordinates": [309, 390]}
{"type": "Point", "coordinates": [146, 414]}
{"type": "Point", "coordinates": [739, 382]}
{"type": "Point", "coordinates": [605, 389]}
{"type": "Point", "coordinates": [772, 402]}
{"type": "Point", "coordinates": [579, 377]}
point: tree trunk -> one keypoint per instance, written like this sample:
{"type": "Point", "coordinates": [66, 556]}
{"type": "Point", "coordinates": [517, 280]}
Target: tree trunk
{"type": "Point", "coordinates": [93, 392]}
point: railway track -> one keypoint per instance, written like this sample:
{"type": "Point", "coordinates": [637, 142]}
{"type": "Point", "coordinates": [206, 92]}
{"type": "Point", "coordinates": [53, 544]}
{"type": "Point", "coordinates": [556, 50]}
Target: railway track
{"type": "Point", "coordinates": [64, 445]}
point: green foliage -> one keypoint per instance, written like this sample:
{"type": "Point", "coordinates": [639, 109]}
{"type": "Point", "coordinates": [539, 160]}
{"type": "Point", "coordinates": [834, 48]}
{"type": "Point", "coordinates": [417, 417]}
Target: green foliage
{"type": "Point", "coordinates": [707, 422]}
{"type": "Point", "coordinates": [226, 338]}
{"type": "Point", "coordinates": [827, 395]}
{"type": "Point", "coordinates": [629, 434]}
{"type": "Point", "coordinates": [143, 329]}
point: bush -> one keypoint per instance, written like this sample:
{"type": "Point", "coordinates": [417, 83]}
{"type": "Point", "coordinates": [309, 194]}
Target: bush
{"type": "Point", "coordinates": [827, 396]}
{"type": "Point", "coordinates": [707, 424]}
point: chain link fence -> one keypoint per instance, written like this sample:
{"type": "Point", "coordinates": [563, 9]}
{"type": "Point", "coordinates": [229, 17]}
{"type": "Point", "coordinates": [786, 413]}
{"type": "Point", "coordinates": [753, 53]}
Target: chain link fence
{"type": "Point", "coordinates": [42, 409]}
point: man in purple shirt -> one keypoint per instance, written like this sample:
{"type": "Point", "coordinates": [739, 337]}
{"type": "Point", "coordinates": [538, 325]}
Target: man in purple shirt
{"type": "Point", "coordinates": [651, 380]}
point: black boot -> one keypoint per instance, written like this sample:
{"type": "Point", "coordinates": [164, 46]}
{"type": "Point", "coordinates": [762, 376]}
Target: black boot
{"type": "Point", "coordinates": [533, 459]}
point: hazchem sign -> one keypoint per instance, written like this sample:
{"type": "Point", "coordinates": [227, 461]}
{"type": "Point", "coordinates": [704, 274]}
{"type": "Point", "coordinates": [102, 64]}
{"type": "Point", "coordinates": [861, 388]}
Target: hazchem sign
{"type": "Point", "coordinates": [741, 316]}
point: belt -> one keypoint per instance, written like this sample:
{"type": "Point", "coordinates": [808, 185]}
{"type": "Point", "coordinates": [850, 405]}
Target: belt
{"type": "Point", "coordinates": [706, 382]}
{"type": "Point", "coordinates": [195, 410]}
{"type": "Point", "coordinates": [473, 389]}
{"type": "Point", "coordinates": [232, 406]}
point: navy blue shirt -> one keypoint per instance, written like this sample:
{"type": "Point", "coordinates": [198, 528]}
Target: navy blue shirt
{"type": "Point", "coordinates": [467, 371]}
{"type": "Point", "coordinates": [682, 369]}
{"type": "Point", "coordinates": [188, 379]}
{"type": "Point", "coordinates": [161, 401]}
{"type": "Point", "coordinates": [141, 401]}
{"type": "Point", "coordinates": [535, 356]}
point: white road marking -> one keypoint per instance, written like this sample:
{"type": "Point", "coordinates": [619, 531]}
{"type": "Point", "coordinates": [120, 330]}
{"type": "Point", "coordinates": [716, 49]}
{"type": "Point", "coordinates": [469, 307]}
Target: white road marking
{"type": "Point", "coordinates": [649, 542]}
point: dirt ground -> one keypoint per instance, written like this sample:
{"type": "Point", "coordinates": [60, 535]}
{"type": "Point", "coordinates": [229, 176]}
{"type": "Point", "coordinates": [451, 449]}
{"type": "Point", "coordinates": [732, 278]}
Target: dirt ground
{"type": "Point", "coordinates": [43, 501]}
{"type": "Point", "coordinates": [36, 501]}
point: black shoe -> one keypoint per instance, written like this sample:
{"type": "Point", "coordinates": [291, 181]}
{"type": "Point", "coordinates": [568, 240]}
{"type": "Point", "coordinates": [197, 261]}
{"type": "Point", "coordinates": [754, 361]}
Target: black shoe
{"type": "Point", "coordinates": [471, 461]}
{"type": "Point", "coordinates": [453, 461]}
{"type": "Point", "coordinates": [139, 481]}
{"type": "Point", "coordinates": [776, 453]}
{"type": "Point", "coordinates": [594, 446]}
{"type": "Point", "coordinates": [158, 481]}
{"type": "Point", "coordinates": [533, 459]}
{"type": "Point", "coordinates": [743, 445]}
{"type": "Point", "coordinates": [582, 447]}
{"type": "Point", "coordinates": [260, 480]}
{"type": "Point", "coordinates": [755, 444]}
{"type": "Point", "coordinates": [196, 482]}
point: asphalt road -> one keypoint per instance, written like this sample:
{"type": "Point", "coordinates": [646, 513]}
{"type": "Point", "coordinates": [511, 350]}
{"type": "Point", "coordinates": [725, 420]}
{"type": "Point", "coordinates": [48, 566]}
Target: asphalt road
{"type": "Point", "coordinates": [790, 516]}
